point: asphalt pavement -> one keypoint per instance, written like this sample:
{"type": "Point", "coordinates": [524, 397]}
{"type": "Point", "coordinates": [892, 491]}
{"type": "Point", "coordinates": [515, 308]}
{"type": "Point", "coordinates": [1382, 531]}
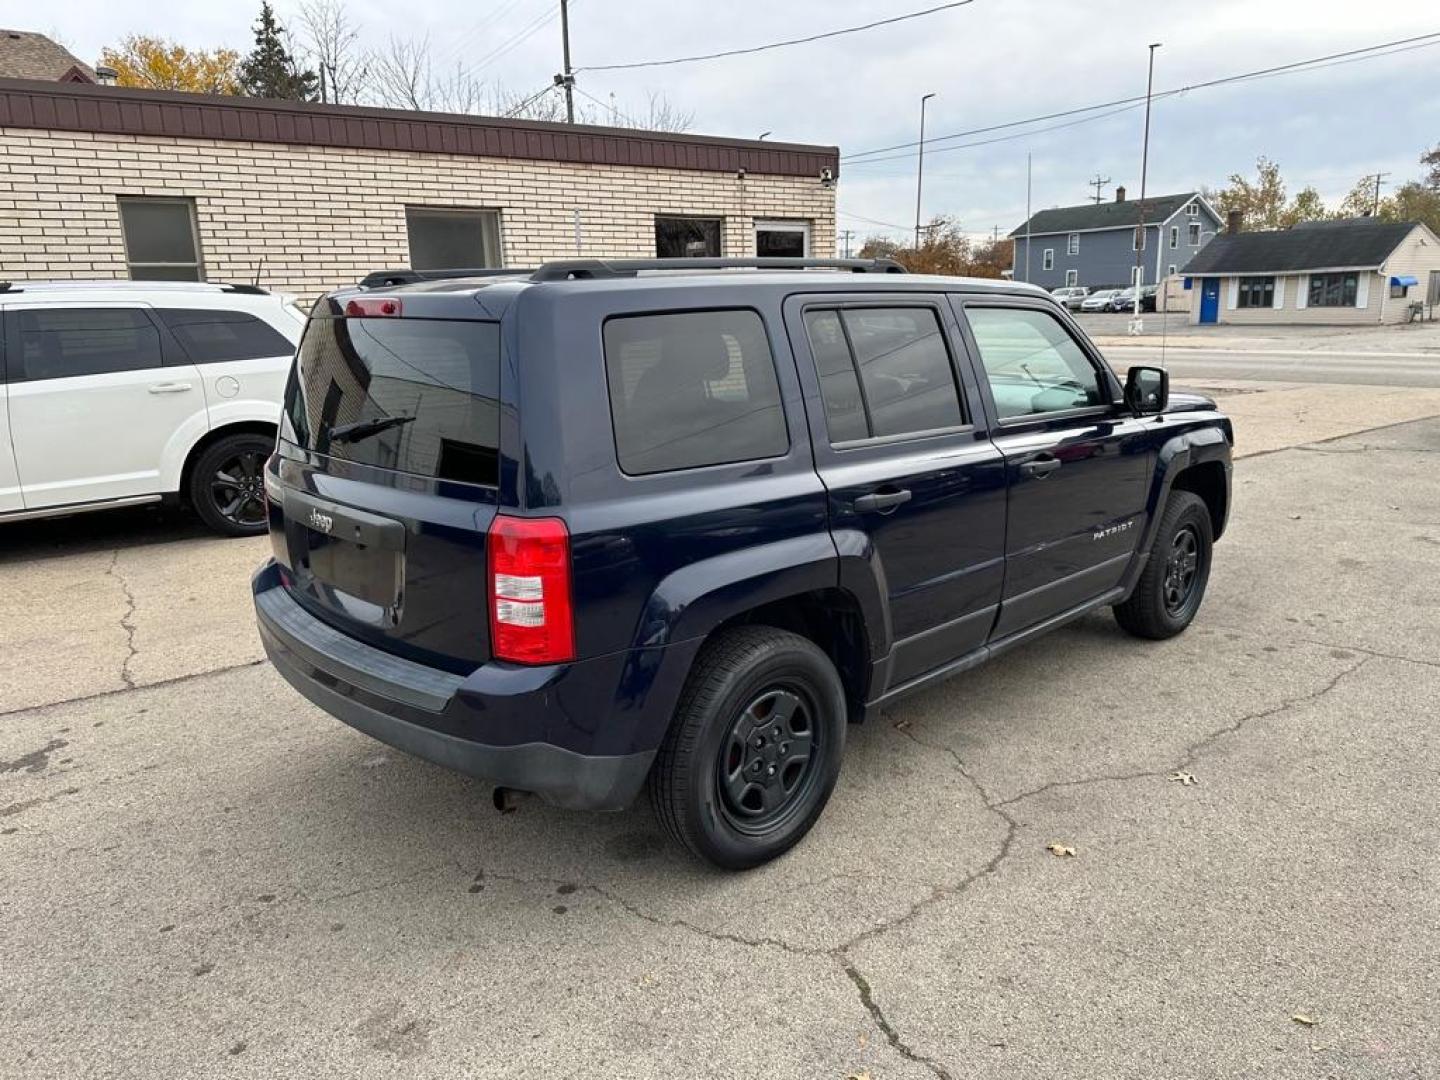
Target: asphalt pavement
{"type": "Point", "coordinates": [201, 874]}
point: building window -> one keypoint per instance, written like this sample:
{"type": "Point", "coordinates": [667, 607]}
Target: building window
{"type": "Point", "coordinates": [1048, 261]}
{"type": "Point", "coordinates": [687, 237]}
{"type": "Point", "coordinates": [450, 239]}
{"type": "Point", "coordinates": [1137, 242]}
{"type": "Point", "coordinates": [1399, 292]}
{"type": "Point", "coordinates": [1192, 209]}
{"type": "Point", "coordinates": [1333, 290]}
{"type": "Point", "coordinates": [1256, 292]}
{"type": "Point", "coordinates": [1194, 234]}
{"type": "Point", "coordinates": [1072, 245]}
{"type": "Point", "coordinates": [1174, 236]}
{"type": "Point", "coordinates": [1072, 278]}
{"type": "Point", "coordinates": [1170, 270]}
{"type": "Point", "coordinates": [160, 239]}
{"type": "Point", "coordinates": [782, 239]}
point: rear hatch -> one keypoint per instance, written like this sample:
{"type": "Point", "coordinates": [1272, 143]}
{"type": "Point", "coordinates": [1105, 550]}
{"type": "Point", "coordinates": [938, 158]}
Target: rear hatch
{"type": "Point", "coordinates": [388, 472]}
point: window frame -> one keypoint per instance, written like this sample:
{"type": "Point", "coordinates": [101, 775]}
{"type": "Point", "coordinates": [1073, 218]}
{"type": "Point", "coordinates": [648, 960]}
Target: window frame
{"type": "Point", "coordinates": [188, 202]}
{"type": "Point", "coordinates": [800, 225]}
{"type": "Point", "coordinates": [1192, 235]}
{"type": "Point", "coordinates": [780, 393]}
{"type": "Point", "coordinates": [1105, 376]}
{"type": "Point", "coordinates": [1343, 275]}
{"type": "Point", "coordinates": [1252, 285]}
{"type": "Point", "coordinates": [1072, 279]}
{"type": "Point", "coordinates": [1174, 237]}
{"type": "Point", "coordinates": [717, 219]}
{"type": "Point", "coordinates": [428, 210]}
{"type": "Point", "coordinates": [1047, 260]}
{"type": "Point", "coordinates": [889, 303]}
{"type": "Point", "coordinates": [1139, 241]}
{"type": "Point", "coordinates": [1072, 244]}
{"type": "Point", "coordinates": [1192, 208]}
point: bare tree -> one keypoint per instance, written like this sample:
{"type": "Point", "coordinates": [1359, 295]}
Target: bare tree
{"type": "Point", "coordinates": [332, 44]}
{"type": "Point", "coordinates": [402, 73]}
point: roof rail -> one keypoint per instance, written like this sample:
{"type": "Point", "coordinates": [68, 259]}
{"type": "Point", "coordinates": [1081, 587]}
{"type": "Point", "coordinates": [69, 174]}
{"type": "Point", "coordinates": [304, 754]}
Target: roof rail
{"type": "Point", "coordinates": [407, 276]}
{"type": "Point", "coordinates": [587, 269]}
{"type": "Point", "coordinates": [248, 290]}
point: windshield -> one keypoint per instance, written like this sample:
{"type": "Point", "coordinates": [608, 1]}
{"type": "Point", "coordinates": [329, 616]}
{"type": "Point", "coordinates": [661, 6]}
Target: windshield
{"type": "Point", "coordinates": [414, 395]}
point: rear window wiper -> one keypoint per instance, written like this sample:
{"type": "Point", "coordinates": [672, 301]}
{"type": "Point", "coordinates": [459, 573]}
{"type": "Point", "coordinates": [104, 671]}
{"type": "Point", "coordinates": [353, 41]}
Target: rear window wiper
{"type": "Point", "coordinates": [363, 429]}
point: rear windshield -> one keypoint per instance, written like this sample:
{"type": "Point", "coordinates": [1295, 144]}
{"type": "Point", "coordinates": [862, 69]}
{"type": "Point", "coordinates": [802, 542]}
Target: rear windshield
{"type": "Point", "coordinates": [414, 395]}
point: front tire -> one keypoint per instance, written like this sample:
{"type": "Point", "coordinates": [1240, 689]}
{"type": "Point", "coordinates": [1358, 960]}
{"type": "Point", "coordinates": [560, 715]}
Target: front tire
{"type": "Point", "coordinates": [1172, 586]}
{"type": "Point", "coordinates": [754, 749]}
{"type": "Point", "coordinates": [227, 484]}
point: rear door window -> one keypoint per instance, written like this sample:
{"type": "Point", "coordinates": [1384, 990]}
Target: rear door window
{"type": "Point", "coordinates": [63, 343]}
{"type": "Point", "coordinates": [417, 396]}
{"type": "Point", "coordinates": [692, 388]}
{"type": "Point", "coordinates": [212, 336]}
{"type": "Point", "coordinates": [883, 371]}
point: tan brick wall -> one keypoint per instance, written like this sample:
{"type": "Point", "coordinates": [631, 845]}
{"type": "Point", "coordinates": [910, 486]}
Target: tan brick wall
{"type": "Point", "coordinates": [322, 217]}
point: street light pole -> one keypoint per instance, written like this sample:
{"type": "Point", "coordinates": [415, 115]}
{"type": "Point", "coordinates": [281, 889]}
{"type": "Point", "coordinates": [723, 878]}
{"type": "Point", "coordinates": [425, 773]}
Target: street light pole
{"type": "Point", "coordinates": [1135, 324]}
{"type": "Point", "coordinates": [920, 170]}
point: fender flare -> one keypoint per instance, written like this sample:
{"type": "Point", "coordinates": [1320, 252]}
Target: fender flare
{"type": "Point", "coordinates": [1175, 456]}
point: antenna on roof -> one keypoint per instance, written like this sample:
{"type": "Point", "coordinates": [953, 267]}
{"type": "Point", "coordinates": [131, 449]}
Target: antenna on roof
{"type": "Point", "coordinates": [258, 267]}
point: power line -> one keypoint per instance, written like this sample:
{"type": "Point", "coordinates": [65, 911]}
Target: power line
{"type": "Point", "coordinates": [1313, 63]}
{"type": "Point", "coordinates": [469, 37]}
{"type": "Point", "coordinates": [517, 109]}
{"type": "Point", "coordinates": [776, 44]}
{"type": "Point", "coordinates": [873, 221]}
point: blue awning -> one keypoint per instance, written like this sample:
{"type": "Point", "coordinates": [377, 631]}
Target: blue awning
{"type": "Point", "coordinates": [1405, 279]}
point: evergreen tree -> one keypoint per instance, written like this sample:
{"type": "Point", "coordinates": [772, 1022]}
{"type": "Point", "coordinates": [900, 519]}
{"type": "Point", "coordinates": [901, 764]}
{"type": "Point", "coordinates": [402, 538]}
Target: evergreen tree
{"type": "Point", "coordinates": [270, 71]}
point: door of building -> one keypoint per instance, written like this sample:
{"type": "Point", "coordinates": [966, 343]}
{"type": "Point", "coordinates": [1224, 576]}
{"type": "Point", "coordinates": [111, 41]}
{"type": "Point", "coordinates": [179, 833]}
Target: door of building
{"type": "Point", "coordinates": [1210, 300]}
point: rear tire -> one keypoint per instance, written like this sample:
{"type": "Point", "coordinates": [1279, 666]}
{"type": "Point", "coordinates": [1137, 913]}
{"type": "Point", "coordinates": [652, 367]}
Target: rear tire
{"type": "Point", "coordinates": [1168, 594]}
{"type": "Point", "coordinates": [227, 484]}
{"type": "Point", "coordinates": [729, 782]}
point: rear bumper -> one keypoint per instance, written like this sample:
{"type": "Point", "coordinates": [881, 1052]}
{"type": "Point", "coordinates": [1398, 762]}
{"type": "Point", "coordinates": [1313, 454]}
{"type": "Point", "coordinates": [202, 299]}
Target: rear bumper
{"type": "Point", "coordinates": [435, 714]}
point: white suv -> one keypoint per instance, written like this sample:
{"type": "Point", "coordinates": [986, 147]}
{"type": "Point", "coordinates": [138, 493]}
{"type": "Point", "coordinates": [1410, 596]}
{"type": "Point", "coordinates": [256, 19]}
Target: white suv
{"type": "Point", "coordinates": [115, 393]}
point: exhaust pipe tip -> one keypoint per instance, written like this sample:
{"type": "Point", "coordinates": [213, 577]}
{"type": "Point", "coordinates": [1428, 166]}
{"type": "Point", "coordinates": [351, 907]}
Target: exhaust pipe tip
{"type": "Point", "coordinates": [508, 800]}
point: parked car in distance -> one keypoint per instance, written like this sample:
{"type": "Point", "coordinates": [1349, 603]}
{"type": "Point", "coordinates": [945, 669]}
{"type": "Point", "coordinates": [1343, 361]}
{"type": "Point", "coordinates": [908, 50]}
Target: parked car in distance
{"type": "Point", "coordinates": [591, 528]}
{"type": "Point", "coordinates": [1125, 300]}
{"type": "Point", "coordinates": [1070, 295]}
{"type": "Point", "coordinates": [118, 393]}
{"type": "Point", "coordinates": [1099, 301]}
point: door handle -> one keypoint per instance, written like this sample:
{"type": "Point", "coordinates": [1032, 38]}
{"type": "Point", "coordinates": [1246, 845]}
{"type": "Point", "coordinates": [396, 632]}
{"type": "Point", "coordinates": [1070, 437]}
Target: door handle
{"type": "Point", "coordinates": [1041, 467]}
{"type": "Point", "coordinates": [881, 501]}
{"type": "Point", "coordinates": [170, 387]}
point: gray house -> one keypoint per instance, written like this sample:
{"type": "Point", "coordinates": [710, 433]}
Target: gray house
{"type": "Point", "coordinates": [1095, 244]}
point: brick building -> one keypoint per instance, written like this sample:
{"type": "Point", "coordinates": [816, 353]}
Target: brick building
{"type": "Point", "coordinates": [102, 182]}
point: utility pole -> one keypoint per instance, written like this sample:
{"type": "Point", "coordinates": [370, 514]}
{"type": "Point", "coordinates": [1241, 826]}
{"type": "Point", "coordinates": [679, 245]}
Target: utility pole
{"type": "Point", "coordinates": [845, 239]}
{"type": "Point", "coordinates": [920, 170]}
{"type": "Point", "coordinates": [1098, 183]}
{"type": "Point", "coordinates": [1027, 217]}
{"type": "Point", "coordinates": [1375, 209]}
{"type": "Point", "coordinates": [994, 234]}
{"type": "Point", "coordinates": [1135, 321]}
{"type": "Point", "coordinates": [566, 78]}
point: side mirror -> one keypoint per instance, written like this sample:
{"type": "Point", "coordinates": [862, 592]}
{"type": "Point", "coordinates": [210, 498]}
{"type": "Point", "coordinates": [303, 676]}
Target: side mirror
{"type": "Point", "coordinates": [1147, 390]}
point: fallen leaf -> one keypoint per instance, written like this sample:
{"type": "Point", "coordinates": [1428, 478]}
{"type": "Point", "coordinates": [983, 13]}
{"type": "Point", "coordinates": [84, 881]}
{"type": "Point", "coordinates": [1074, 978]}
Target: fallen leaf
{"type": "Point", "coordinates": [1185, 779]}
{"type": "Point", "coordinates": [1294, 517]}
{"type": "Point", "coordinates": [1060, 851]}
{"type": "Point", "coordinates": [858, 1076]}
{"type": "Point", "coordinates": [1301, 1018]}
{"type": "Point", "coordinates": [864, 1040]}
{"type": "Point", "coordinates": [901, 725]}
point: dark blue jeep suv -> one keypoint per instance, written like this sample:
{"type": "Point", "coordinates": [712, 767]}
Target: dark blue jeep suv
{"type": "Point", "coordinates": [677, 522]}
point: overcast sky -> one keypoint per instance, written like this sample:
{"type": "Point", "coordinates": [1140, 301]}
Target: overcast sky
{"type": "Point", "coordinates": [991, 62]}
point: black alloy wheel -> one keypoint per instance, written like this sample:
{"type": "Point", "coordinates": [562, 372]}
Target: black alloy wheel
{"type": "Point", "coordinates": [227, 484]}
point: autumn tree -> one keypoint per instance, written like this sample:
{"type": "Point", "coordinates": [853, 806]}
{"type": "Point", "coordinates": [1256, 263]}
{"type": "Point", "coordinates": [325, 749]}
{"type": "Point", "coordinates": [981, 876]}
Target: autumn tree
{"type": "Point", "coordinates": [157, 64]}
{"type": "Point", "coordinates": [944, 249]}
{"type": "Point", "coordinates": [1262, 201]}
{"type": "Point", "coordinates": [1431, 161]}
{"type": "Point", "coordinates": [271, 71]}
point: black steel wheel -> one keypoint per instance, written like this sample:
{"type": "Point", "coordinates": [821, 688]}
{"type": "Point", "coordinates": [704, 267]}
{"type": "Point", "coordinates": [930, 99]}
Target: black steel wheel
{"type": "Point", "coordinates": [754, 749]}
{"type": "Point", "coordinates": [1168, 595]}
{"type": "Point", "coordinates": [768, 761]}
{"type": "Point", "coordinates": [227, 485]}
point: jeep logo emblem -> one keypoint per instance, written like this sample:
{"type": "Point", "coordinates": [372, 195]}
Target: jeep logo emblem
{"type": "Point", "coordinates": [321, 522]}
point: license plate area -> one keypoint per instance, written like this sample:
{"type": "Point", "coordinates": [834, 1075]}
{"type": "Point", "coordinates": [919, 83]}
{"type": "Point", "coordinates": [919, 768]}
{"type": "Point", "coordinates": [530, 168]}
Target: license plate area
{"type": "Point", "coordinates": [349, 560]}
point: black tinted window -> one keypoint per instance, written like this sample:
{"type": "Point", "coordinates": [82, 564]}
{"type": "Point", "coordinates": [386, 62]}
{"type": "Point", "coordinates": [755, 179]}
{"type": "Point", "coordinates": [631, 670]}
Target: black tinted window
{"type": "Point", "coordinates": [682, 237]}
{"type": "Point", "coordinates": [60, 343]}
{"type": "Point", "coordinates": [689, 389]}
{"type": "Point", "coordinates": [436, 382]}
{"type": "Point", "coordinates": [213, 336]}
{"type": "Point", "coordinates": [905, 383]}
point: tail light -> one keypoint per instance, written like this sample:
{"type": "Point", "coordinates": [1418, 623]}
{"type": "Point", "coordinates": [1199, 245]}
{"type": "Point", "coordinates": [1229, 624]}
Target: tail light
{"type": "Point", "coordinates": [532, 618]}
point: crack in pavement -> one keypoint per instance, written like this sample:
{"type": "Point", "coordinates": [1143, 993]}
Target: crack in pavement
{"type": "Point", "coordinates": [899, 1045]}
{"type": "Point", "coordinates": [21, 710]}
{"type": "Point", "coordinates": [1195, 749]}
{"type": "Point", "coordinates": [126, 622]}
